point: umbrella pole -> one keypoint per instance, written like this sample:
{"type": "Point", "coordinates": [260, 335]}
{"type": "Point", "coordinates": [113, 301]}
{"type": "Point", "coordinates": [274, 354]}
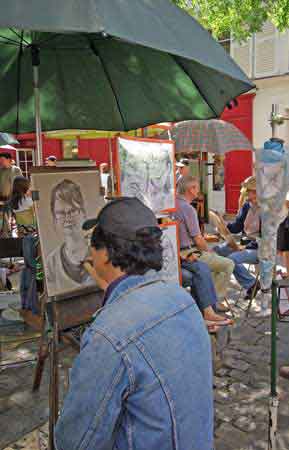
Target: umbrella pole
{"type": "Point", "coordinates": [35, 65]}
{"type": "Point", "coordinates": [273, 406]}
{"type": "Point", "coordinates": [111, 164]}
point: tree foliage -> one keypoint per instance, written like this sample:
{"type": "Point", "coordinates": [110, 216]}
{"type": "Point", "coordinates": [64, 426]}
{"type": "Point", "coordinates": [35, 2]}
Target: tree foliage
{"type": "Point", "coordinates": [239, 17]}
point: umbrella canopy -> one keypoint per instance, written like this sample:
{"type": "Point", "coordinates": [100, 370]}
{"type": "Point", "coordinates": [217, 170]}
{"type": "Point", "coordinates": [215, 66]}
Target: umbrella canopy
{"type": "Point", "coordinates": [212, 136]}
{"type": "Point", "coordinates": [116, 65]}
{"type": "Point", "coordinates": [7, 139]}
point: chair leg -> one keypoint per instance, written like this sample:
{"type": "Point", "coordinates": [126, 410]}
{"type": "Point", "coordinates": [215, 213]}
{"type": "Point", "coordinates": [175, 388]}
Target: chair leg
{"type": "Point", "coordinates": [253, 294]}
{"type": "Point", "coordinates": [229, 306]}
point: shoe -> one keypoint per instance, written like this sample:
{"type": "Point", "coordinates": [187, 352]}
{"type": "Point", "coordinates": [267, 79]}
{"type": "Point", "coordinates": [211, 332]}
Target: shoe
{"type": "Point", "coordinates": [220, 323]}
{"type": "Point", "coordinates": [220, 307]}
{"type": "Point", "coordinates": [253, 290]}
{"type": "Point", "coordinates": [284, 372]}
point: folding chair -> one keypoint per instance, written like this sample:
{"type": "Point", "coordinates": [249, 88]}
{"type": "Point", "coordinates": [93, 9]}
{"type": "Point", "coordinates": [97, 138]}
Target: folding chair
{"type": "Point", "coordinates": [257, 276]}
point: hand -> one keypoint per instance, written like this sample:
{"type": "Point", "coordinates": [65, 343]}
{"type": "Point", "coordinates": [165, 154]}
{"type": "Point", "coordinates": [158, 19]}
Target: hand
{"type": "Point", "coordinates": [193, 257]}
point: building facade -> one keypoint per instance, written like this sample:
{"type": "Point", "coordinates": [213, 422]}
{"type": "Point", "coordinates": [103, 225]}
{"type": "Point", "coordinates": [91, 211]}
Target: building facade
{"type": "Point", "coordinates": [265, 59]}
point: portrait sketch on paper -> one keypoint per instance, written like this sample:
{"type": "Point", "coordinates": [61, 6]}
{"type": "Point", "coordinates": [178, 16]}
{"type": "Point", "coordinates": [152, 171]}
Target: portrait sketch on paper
{"type": "Point", "coordinates": [171, 267]}
{"type": "Point", "coordinates": [66, 200]}
{"type": "Point", "coordinates": [147, 172]}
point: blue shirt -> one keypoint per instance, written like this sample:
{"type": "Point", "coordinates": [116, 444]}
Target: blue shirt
{"type": "Point", "coordinates": [188, 221]}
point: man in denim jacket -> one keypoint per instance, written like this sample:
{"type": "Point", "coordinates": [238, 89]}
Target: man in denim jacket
{"type": "Point", "coordinates": [143, 378]}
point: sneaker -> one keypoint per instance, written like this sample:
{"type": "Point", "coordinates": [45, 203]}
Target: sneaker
{"type": "Point", "coordinates": [252, 290]}
{"type": "Point", "coordinates": [284, 372]}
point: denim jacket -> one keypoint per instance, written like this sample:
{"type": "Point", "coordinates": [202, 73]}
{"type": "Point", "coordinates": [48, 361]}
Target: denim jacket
{"type": "Point", "coordinates": [143, 378]}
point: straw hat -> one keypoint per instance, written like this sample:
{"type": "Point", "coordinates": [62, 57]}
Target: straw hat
{"type": "Point", "coordinates": [249, 184]}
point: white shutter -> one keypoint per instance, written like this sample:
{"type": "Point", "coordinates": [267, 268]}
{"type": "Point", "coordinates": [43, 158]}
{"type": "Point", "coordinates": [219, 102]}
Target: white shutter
{"type": "Point", "coordinates": [242, 55]}
{"type": "Point", "coordinates": [266, 46]}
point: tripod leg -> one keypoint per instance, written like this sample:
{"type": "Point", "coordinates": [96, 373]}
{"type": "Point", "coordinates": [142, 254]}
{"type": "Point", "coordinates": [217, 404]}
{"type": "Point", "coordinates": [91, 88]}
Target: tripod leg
{"type": "Point", "coordinates": [53, 386]}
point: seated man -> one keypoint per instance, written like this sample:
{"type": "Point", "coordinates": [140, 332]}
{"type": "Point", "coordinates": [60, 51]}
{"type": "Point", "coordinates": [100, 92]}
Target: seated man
{"type": "Point", "coordinates": [248, 223]}
{"type": "Point", "coordinates": [197, 275]}
{"type": "Point", "coordinates": [128, 388]}
{"type": "Point", "coordinates": [191, 237]}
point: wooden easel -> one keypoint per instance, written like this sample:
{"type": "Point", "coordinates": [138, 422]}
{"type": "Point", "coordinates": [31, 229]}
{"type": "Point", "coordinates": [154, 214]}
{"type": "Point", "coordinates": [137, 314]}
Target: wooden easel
{"type": "Point", "coordinates": [61, 314]}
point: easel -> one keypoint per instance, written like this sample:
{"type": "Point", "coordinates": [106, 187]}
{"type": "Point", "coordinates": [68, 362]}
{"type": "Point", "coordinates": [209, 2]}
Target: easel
{"type": "Point", "coordinates": [61, 314]}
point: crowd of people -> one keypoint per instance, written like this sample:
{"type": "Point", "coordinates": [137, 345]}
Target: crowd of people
{"type": "Point", "coordinates": [127, 385]}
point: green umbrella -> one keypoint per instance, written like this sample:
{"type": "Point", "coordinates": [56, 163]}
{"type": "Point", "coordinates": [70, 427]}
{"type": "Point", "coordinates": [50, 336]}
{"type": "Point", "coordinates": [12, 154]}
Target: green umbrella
{"type": "Point", "coordinates": [109, 65]}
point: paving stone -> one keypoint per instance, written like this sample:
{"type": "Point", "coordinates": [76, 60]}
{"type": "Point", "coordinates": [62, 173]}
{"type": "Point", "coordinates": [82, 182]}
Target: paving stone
{"type": "Point", "coordinates": [237, 375]}
{"type": "Point", "coordinates": [238, 388]}
{"type": "Point", "coordinates": [245, 423]}
{"type": "Point", "coordinates": [232, 353]}
{"type": "Point", "coordinates": [231, 435]}
{"type": "Point", "coordinates": [220, 383]}
{"type": "Point", "coordinates": [236, 364]}
{"type": "Point", "coordinates": [224, 413]}
{"type": "Point", "coordinates": [222, 396]}
{"type": "Point", "coordinates": [222, 372]}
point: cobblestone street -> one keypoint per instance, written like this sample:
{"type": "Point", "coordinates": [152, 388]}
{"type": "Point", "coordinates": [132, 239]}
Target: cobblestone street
{"type": "Point", "coordinates": [242, 387]}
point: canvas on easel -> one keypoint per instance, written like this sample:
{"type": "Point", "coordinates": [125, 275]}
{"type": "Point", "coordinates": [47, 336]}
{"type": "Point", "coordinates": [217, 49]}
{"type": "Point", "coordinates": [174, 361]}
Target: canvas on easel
{"type": "Point", "coordinates": [217, 220]}
{"type": "Point", "coordinates": [65, 199]}
{"type": "Point", "coordinates": [146, 170]}
{"type": "Point", "coordinates": [171, 270]}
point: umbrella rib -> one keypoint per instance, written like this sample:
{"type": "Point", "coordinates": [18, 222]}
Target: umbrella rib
{"type": "Point", "coordinates": [20, 36]}
{"type": "Point", "coordinates": [8, 40]}
{"type": "Point", "coordinates": [96, 53]}
{"type": "Point", "coordinates": [196, 84]}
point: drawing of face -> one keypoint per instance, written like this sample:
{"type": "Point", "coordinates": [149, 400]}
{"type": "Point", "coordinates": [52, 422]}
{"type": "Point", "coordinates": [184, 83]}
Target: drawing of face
{"type": "Point", "coordinates": [68, 217]}
{"type": "Point", "coordinates": [67, 208]}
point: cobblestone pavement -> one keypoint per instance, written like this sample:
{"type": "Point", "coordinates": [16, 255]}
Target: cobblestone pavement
{"type": "Point", "coordinates": [241, 391]}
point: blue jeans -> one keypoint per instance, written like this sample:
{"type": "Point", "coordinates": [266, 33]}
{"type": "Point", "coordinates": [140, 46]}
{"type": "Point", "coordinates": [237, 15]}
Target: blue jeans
{"type": "Point", "coordinates": [198, 277]}
{"type": "Point", "coordinates": [242, 275]}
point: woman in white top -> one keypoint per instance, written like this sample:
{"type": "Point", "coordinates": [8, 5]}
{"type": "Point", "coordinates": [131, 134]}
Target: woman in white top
{"type": "Point", "coordinates": [21, 203]}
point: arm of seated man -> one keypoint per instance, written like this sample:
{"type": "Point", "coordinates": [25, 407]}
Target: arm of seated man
{"type": "Point", "coordinates": [201, 243]}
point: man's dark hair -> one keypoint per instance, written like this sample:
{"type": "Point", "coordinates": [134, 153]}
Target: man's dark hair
{"type": "Point", "coordinates": [5, 155]}
{"type": "Point", "coordinates": [134, 257]}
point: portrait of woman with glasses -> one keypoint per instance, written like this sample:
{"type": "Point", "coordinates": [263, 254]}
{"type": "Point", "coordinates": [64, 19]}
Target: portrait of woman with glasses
{"type": "Point", "coordinates": [64, 263]}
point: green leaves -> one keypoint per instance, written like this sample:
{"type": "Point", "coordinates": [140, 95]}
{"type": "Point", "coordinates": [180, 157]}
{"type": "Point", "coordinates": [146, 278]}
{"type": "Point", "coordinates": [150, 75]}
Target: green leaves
{"type": "Point", "coordinates": [240, 18]}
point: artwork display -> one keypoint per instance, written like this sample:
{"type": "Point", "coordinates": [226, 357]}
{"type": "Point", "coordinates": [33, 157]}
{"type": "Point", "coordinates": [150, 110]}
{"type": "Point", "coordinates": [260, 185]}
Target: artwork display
{"type": "Point", "coordinates": [66, 199]}
{"type": "Point", "coordinates": [146, 170]}
{"type": "Point", "coordinates": [171, 252]}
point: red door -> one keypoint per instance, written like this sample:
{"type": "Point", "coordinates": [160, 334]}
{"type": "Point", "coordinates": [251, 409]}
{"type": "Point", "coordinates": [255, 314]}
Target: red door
{"type": "Point", "coordinates": [238, 164]}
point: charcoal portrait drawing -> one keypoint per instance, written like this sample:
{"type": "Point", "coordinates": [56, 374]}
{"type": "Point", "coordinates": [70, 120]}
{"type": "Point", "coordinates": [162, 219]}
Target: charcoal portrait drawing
{"type": "Point", "coordinates": [147, 172]}
{"type": "Point", "coordinates": [67, 207]}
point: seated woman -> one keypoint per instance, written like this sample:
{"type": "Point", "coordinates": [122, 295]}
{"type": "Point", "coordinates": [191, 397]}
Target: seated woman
{"type": "Point", "coordinates": [22, 205]}
{"type": "Point", "coordinates": [248, 223]}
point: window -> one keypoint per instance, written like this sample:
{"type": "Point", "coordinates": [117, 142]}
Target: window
{"type": "Point", "coordinates": [68, 145]}
{"type": "Point", "coordinates": [258, 56]}
{"type": "Point", "coordinates": [25, 160]}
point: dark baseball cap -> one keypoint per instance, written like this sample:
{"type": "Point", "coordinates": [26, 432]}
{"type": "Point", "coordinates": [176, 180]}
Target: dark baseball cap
{"type": "Point", "coordinates": [123, 217]}
{"type": "Point", "coordinates": [51, 158]}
